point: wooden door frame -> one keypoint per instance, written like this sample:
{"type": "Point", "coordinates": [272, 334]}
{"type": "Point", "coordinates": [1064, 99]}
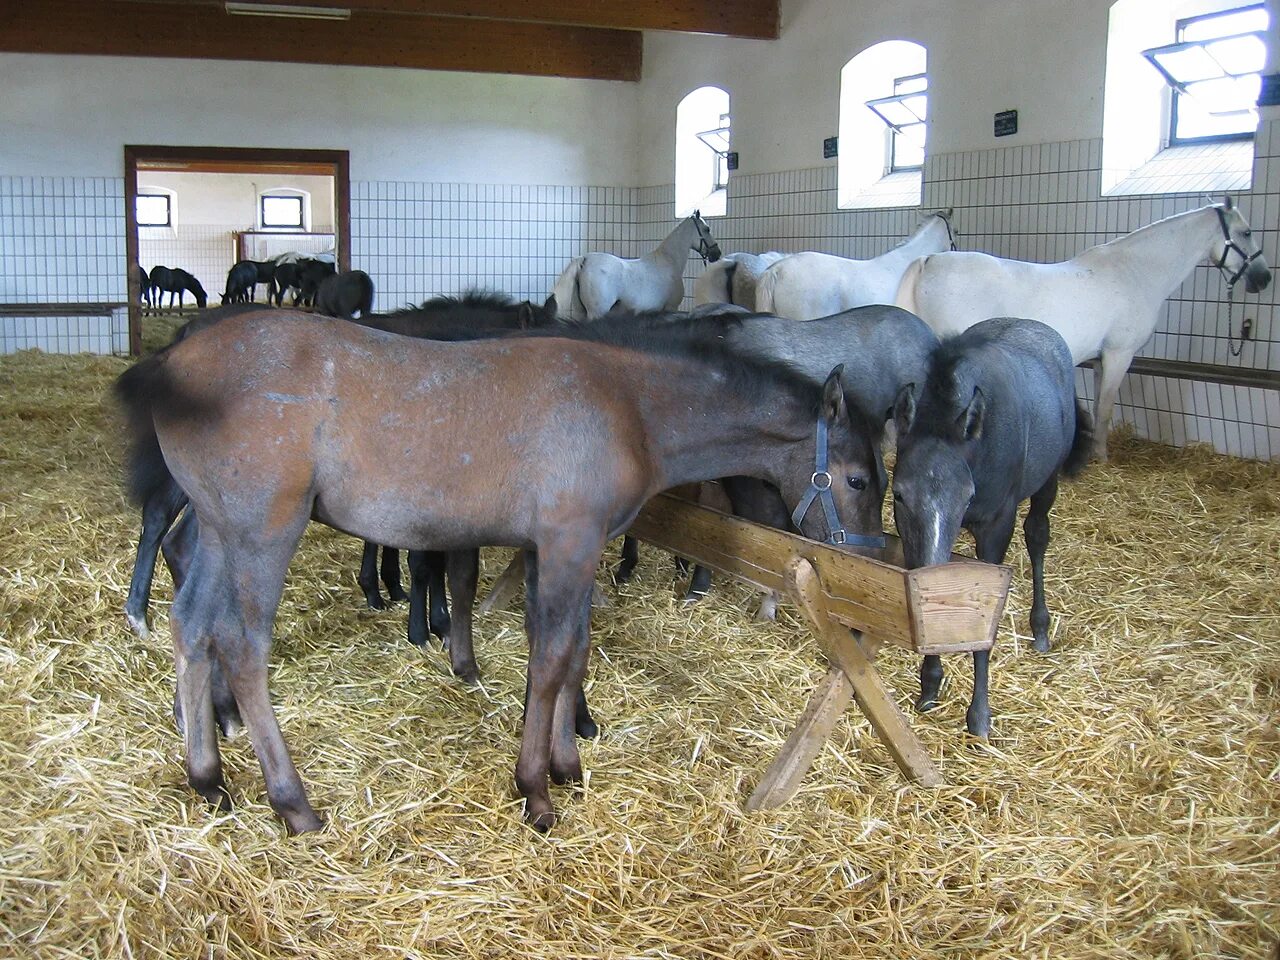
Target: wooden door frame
{"type": "Point", "coordinates": [338, 162]}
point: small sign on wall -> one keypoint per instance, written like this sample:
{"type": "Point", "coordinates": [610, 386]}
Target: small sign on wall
{"type": "Point", "coordinates": [1269, 95]}
{"type": "Point", "coordinates": [1006, 123]}
{"type": "Point", "coordinates": [731, 159]}
{"type": "Point", "coordinates": [829, 146]}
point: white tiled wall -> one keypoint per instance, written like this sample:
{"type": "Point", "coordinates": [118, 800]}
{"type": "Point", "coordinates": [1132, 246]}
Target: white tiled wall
{"type": "Point", "coordinates": [62, 239]}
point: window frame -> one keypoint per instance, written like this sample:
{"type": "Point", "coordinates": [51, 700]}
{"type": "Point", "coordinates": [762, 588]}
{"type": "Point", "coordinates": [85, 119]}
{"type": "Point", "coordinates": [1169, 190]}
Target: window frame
{"type": "Point", "coordinates": [895, 129]}
{"type": "Point", "coordinates": [168, 210]}
{"type": "Point", "coordinates": [1176, 87]}
{"type": "Point", "coordinates": [296, 198]}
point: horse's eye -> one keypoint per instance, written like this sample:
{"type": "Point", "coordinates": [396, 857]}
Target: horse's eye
{"type": "Point", "coordinates": [857, 483]}
{"type": "Point", "coordinates": [897, 497]}
{"type": "Point", "coordinates": [1248, 233]}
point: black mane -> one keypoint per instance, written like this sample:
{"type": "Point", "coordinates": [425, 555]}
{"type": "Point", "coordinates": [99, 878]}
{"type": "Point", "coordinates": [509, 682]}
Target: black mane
{"type": "Point", "coordinates": [700, 340]}
{"type": "Point", "coordinates": [474, 298]}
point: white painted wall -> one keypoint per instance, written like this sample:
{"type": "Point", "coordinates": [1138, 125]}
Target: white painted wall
{"type": "Point", "coordinates": [71, 116]}
{"type": "Point", "coordinates": [1044, 58]}
{"type": "Point", "coordinates": [231, 199]}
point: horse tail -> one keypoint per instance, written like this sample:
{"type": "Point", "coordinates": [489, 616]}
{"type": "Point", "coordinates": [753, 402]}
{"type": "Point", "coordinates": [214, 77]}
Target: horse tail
{"type": "Point", "coordinates": [766, 289]}
{"type": "Point", "coordinates": [568, 296]}
{"type": "Point", "coordinates": [1081, 444]}
{"type": "Point", "coordinates": [906, 297]}
{"type": "Point", "coordinates": [146, 386]}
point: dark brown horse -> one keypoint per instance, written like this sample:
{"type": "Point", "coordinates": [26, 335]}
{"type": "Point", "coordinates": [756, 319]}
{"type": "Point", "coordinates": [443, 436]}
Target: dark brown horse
{"type": "Point", "coordinates": [272, 418]}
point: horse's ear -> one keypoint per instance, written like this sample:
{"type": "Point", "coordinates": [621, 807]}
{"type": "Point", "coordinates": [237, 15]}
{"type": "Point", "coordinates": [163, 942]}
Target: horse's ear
{"type": "Point", "coordinates": [904, 409]}
{"type": "Point", "coordinates": [833, 405]}
{"type": "Point", "coordinates": [524, 315]}
{"type": "Point", "coordinates": [971, 417]}
{"type": "Point", "coordinates": [1228, 202]}
{"type": "Point", "coordinates": [947, 213]}
{"type": "Point", "coordinates": [551, 308]}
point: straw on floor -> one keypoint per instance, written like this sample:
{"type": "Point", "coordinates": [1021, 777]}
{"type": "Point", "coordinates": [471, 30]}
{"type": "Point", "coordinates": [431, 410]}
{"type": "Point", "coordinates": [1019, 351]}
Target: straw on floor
{"type": "Point", "coordinates": [1128, 804]}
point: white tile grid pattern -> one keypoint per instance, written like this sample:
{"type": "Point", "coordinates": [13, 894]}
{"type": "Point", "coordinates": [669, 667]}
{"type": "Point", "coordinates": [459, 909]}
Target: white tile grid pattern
{"type": "Point", "coordinates": [61, 241]}
{"type": "Point", "coordinates": [418, 240]}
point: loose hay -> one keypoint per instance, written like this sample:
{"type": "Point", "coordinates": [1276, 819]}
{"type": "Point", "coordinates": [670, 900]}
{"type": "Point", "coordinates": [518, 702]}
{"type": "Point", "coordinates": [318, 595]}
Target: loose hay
{"type": "Point", "coordinates": [1127, 806]}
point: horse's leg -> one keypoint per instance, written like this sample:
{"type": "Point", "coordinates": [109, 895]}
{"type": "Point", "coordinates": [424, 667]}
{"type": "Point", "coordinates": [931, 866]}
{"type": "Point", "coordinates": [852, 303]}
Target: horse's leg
{"type": "Point", "coordinates": [198, 612]}
{"type": "Point", "coordinates": [259, 563]}
{"type": "Point", "coordinates": [1114, 365]}
{"type": "Point", "coordinates": [571, 705]}
{"type": "Point", "coordinates": [391, 574]}
{"type": "Point", "coordinates": [699, 585]}
{"type": "Point", "coordinates": [368, 576]}
{"type": "Point", "coordinates": [158, 514]}
{"type": "Point", "coordinates": [930, 682]}
{"type": "Point", "coordinates": [463, 567]}
{"type": "Point", "coordinates": [993, 544]}
{"type": "Point", "coordinates": [630, 557]}
{"type": "Point", "coordinates": [559, 577]}
{"type": "Point", "coordinates": [1035, 530]}
{"type": "Point", "coordinates": [418, 576]}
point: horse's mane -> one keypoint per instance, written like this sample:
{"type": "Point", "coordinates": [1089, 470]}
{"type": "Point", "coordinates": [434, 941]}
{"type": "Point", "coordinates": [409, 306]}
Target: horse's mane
{"type": "Point", "coordinates": [700, 340]}
{"type": "Point", "coordinates": [474, 298]}
{"type": "Point", "coordinates": [948, 387]}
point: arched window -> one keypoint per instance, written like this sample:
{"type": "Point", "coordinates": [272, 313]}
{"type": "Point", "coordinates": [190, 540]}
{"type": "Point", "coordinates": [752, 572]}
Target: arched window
{"type": "Point", "coordinates": [284, 208]}
{"type": "Point", "coordinates": [702, 152]}
{"type": "Point", "coordinates": [1179, 104]}
{"type": "Point", "coordinates": [884, 97]}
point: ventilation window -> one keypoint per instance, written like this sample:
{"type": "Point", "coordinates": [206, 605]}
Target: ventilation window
{"type": "Point", "coordinates": [904, 114]}
{"type": "Point", "coordinates": [280, 211]}
{"type": "Point", "coordinates": [1215, 72]}
{"type": "Point", "coordinates": [154, 210]}
{"type": "Point", "coordinates": [884, 99]}
{"type": "Point", "coordinates": [702, 152]}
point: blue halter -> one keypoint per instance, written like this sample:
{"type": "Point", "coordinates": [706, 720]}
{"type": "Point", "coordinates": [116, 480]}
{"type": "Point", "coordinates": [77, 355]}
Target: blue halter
{"type": "Point", "coordinates": [820, 490]}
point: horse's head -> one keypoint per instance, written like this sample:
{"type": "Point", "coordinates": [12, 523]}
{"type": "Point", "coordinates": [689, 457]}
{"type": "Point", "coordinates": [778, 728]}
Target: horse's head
{"type": "Point", "coordinates": [839, 487]}
{"type": "Point", "coordinates": [932, 482]}
{"type": "Point", "coordinates": [943, 218]}
{"type": "Point", "coordinates": [706, 246]}
{"type": "Point", "coordinates": [1240, 255]}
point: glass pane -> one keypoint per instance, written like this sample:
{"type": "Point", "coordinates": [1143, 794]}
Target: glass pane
{"type": "Point", "coordinates": [282, 211]}
{"type": "Point", "coordinates": [153, 211]}
{"type": "Point", "coordinates": [893, 112]}
{"type": "Point", "coordinates": [1239, 54]}
{"type": "Point", "coordinates": [1236, 21]}
{"type": "Point", "coordinates": [1195, 120]}
{"type": "Point", "coordinates": [1227, 95]}
{"type": "Point", "coordinates": [919, 106]}
{"type": "Point", "coordinates": [908, 147]}
{"type": "Point", "coordinates": [1192, 63]}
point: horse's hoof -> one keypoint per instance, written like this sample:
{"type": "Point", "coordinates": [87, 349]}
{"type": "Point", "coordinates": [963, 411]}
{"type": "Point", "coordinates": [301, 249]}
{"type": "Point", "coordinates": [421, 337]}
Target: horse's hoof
{"type": "Point", "coordinates": [375, 602]}
{"type": "Point", "coordinates": [305, 821]}
{"type": "Point", "coordinates": [598, 599]}
{"type": "Point", "coordinates": [586, 729]}
{"type": "Point", "coordinates": [468, 673]}
{"type": "Point", "coordinates": [213, 790]}
{"type": "Point", "coordinates": [926, 702]}
{"type": "Point", "coordinates": [694, 596]}
{"type": "Point", "coordinates": [564, 777]}
{"type": "Point", "coordinates": [623, 575]}
{"type": "Point", "coordinates": [542, 822]}
{"type": "Point", "coordinates": [397, 594]}
{"type": "Point", "coordinates": [1041, 644]}
{"type": "Point", "coordinates": [768, 609]}
{"type": "Point", "coordinates": [139, 626]}
{"type": "Point", "coordinates": [978, 723]}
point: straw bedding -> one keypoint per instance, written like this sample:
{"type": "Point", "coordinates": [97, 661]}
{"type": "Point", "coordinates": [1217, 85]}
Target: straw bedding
{"type": "Point", "coordinates": [1128, 804]}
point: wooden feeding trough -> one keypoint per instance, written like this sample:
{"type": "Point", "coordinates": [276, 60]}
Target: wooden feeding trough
{"type": "Point", "coordinates": [854, 604]}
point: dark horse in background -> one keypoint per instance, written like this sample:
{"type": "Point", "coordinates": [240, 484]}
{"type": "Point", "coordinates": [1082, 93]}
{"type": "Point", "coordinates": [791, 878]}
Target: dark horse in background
{"type": "Point", "coordinates": [995, 422]}
{"type": "Point", "coordinates": [574, 441]}
{"type": "Point", "coordinates": [311, 273]}
{"type": "Point", "coordinates": [345, 294]}
{"type": "Point", "coordinates": [143, 280]}
{"type": "Point", "coordinates": [176, 281]}
{"type": "Point", "coordinates": [240, 283]}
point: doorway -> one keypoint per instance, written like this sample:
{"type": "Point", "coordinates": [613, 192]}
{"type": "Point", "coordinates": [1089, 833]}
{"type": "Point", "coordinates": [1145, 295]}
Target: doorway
{"type": "Point", "coordinates": [204, 208]}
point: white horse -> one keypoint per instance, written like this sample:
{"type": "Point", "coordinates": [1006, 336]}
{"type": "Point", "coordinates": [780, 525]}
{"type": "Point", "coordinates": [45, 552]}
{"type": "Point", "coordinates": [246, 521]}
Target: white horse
{"type": "Point", "coordinates": [806, 286]}
{"type": "Point", "coordinates": [592, 285]}
{"type": "Point", "coordinates": [733, 278]}
{"type": "Point", "coordinates": [1105, 302]}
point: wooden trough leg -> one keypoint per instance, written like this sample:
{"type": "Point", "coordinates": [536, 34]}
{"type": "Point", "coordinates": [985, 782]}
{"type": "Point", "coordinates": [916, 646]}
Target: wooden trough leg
{"type": "Point", "coordinates": [852, 673]}
{"type": "Point", "coordinates": [506, 586]}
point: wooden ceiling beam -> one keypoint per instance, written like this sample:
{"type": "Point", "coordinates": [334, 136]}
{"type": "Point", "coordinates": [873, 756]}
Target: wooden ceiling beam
{"type": "Point", "coordinates": [203, 32]}
{"type": "Point", "coordinates": [753, 19]}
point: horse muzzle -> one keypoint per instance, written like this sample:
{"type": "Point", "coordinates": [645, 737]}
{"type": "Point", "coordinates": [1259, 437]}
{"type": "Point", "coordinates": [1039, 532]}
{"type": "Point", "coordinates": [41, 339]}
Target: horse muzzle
{"type": "Point", "coordinates": [713, 253]}
{"type": "Point", "coordinates": [1257, 278]}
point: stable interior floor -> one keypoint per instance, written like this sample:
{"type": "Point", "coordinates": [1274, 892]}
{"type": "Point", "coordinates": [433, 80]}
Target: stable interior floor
{"type": "Point", "coordinates": [1126, 805]}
